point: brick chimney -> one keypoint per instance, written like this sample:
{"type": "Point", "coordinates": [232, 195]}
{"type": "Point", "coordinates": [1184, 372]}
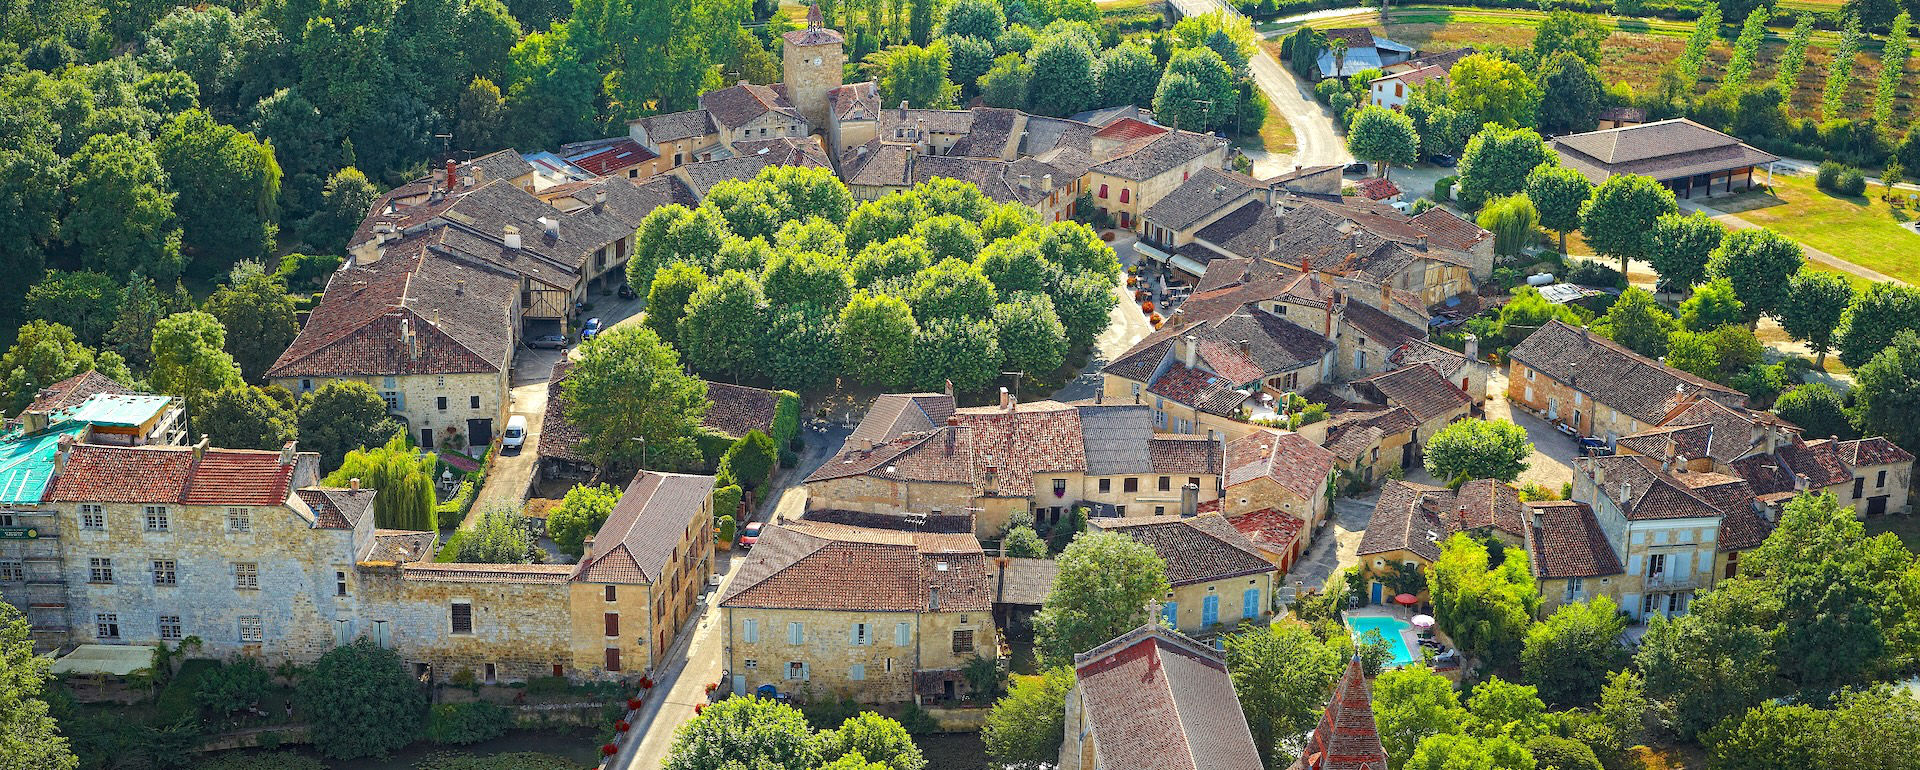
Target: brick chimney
{"type": "Point", "coordinates": [453, 174]}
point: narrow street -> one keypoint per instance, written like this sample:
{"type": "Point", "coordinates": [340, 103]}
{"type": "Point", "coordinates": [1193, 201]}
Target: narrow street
{"type": "Point", "coordinates": [1126, 325]}
{"type": "Point", "coordinates": [1315, 140]}
{"type": "Point", "coordinates": [511, 470]}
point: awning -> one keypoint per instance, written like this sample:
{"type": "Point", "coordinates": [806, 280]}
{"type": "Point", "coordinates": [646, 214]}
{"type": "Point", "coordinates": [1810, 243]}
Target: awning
{"type": "Point", "coordinates": [1175, 261]}
{"type": "Point", "coordinates": [114, 659]}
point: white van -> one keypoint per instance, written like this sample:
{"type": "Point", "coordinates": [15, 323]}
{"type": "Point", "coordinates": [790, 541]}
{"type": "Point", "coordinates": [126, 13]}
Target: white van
{"type": "Point", "coordinates": [516, 435]}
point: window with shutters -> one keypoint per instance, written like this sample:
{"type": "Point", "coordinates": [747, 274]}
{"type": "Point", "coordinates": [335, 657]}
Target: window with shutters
{"type": "Point", "coordinates": [169, 627]}
{"type": "Point", "coordinates": [246, 576]}
{"type": "Point", "coordinates": [461, 616]}
{"type": "Point", "coordinates": [1124, 195]}
{"type": "Point", "coordinates": [1166, 483]}
{"type": "Point", "coordinates": [963, 642]}
{"type": "Point", "coordinates": [1130, 485]}
{"type": "Point", "coordinates": [862, 635]}
{"type": "Point", "coordinates": [858, 672]}
{"type": "Point", "coordinates": [612, 595]}
{"type": "Point", "coordinates": [252, 630]}
{"type": "Point", "coordinates": [750, 630]}
{"type": "Point", "coordinates": [164, 573]}
{"type": "Point", "coordinates": [613, 624]}
{"type": "Point", "coordinates": [613, 659]}
{"type": "Point", "coordinates": [796, 671]}
{"type": "Point", "coordinates": [1103, 191]}
{"type": "Point", "coordinates": [902, 634]}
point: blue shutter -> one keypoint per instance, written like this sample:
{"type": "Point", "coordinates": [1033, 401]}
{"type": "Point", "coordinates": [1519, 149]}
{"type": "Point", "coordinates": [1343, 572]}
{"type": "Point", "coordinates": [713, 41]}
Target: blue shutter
{"type": "Point", "coordinates": [1210, 610]}
{"type": "Point", "coordinates": [1250, 604]}
{"type": "Point", "coordinates": [1172, 613]}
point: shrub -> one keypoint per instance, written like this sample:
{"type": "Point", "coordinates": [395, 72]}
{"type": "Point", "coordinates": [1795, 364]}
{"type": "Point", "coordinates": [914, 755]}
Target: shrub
{"type": "Point", "coordinates": [237, 760]}
{"type": "Point", "coordinates": [750, 460]}
{"type": "Point", "coordinates": [234, 686]}
{"type": "Point", "coordinates": [515, 761]}
{"type": "Point", "coordinates": [463, 723]}
{"type": "Point", "coordinates": [1840, 179]}
{"type": "Point", "coordinates": [1852, 183]}
{"type": "Point", "coordinates": [725, 531]}
{"type": "Point", "coordinates": [1443, 188]}
{"type": "Point", "coordinates": [360, 702]}
{"type": "Point", "coordinates": [726, 500]}
{"type": "Point", "coordinates": [1592, 273]}
{"type": "Point", "coordinates": [548, 685]}
{"type": "Point", "coordinates": [917, 721]}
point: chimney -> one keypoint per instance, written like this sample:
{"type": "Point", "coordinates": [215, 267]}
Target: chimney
{"type": "Point", "coordinates": [953, 419]}
{"type": "Point", "coordinates": [600, 198]}
{"type": "Point", "coordinates": [466, 180]}
{"type": "Point", "coordinates": [1423, 241]}
{"type": "Point", "coordinates": [1472, 348]}
{"type": "Point", "coordinates": [949, 390]}
{"type": "Point", "coordinates": [551, 226]}
{"type": "Point", "coordinates": [1386, 298]}
{"type": "Point", "coordinates": [920, 132]}
{"type": "Point", "coordinates": [1801, 482]}
{"type": "Point", "coordinates": [1099, 396]}
{"type": "Point", "coordinates": [1673, 446]}
{"type": "Point", "coordinates": [511, 236]}
{"type": "Point", "coordinates": [200, 447]}
{"type": "Point", "coordinates": [1191, 352]}
{"type": "Point", "coordinates": [1536, 518]}
{"type": "Point", "coordinates": [586, 544]}
{"type": "Point", "coordinates": [1026, 181]}
{"type": "Point", "coordinates": [1327, 331]}
{"type": "Point", "coordinates": [287, 453]}
{"type": "Point", "coordinates": [1189, 501]}
{"type": "Point", "coordinates": [951, 422]}
{"type": "Point", "coordinates": [407, 339]}
{"type": "Point", "coordinates": [1246, 346]}
{"type": "Point", "coordinates": [60, 455]}
{"type": "Point", "coordinates": [353, 483]}
{"type": "Point", "coordinates": [1046, 183]}
{"type": "Point", "coordinates": [453, 170]}
{"type": "Point", "coordinates": [1006, 399]}
{"type": "Point", "coordinates": [903, 108]}
{"type": "Point", "coordinates": [459, 287]}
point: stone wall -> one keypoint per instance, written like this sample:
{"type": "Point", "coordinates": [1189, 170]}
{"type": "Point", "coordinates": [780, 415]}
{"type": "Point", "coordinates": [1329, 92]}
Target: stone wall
{"type": "Point", "coordinates": [520, 625]}
{"type": "Point", "coordinates": [808, 73]}
{"type": "Point", "coordinates": [420, 397]}
{"type": "Point", "coordinates": [832, 665]}
{"type": "Point", "coordinates": [1190, 601]}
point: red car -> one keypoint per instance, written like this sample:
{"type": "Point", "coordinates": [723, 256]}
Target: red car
{"type": "Point", "coordinates": [750, 533]}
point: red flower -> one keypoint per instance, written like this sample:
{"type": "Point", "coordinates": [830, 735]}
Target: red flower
{"type": "Point", "coordinates": [620, 725]}
{"type": "Point", "coordinates": [609, 750]}
{"type": "Point", "coordinates": [634, 704]}
{"type": "Point", "coordinates": [646, 683]}
{"type": "Point", "coordinates": [699, 707]}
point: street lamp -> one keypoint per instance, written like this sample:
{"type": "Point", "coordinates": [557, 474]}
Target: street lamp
{"type": "Point", "coordinates": [643, 451]}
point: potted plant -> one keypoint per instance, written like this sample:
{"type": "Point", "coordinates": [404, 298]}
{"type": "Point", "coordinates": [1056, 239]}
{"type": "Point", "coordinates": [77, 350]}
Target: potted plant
{"type": "Point", "coordinates": [723, 533]}
{"type": "Point", "coordinates": [621, 726]}
{"type": "Point", "coordinates": [608, 749]}
{"type": "Point", "coordinates": [634, 704]}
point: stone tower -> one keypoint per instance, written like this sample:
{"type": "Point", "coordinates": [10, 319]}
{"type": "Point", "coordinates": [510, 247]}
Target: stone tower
{"type": "Point", "coordinates": [811, 64]}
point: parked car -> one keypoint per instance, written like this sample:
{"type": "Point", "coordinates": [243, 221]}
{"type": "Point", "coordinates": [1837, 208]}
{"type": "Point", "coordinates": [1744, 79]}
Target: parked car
{"type": "Point", "coordinates": [555, 341]}
{"type": "Point", "coordinates": [626, 291]}
{"type": "Point", "coordinates": [1358, 167]}
{"type": "Point", "coordinates": [750, 534]}
{"type": "Point", "coordinates": [1444, 160]}
{"type": "Point", "coordinates": [590, 329]}
{"type": "Point", "coordinates": [516, 435]}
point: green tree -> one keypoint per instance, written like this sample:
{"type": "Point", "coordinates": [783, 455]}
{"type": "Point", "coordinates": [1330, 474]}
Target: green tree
{"type": "Point", "coordinates": [1497, 90]}
{"type": "Point", "coordinates": [343, 415]}
{"type": "Point", "coordinates": [1527, 312]}
{"type": "Point", "coordinates": [1815, 303]}
{"type": "Point", "coordinates": [1638, 322]}
{"type": "Point", "coordinates": [805, 192]}
{"type": "Point", "coordinates": [479, 123]}
{"type": "Point", "coordinates": [1617, 723]}
{"type": "Point", "coordinates": [915, 75]}
{"type": "Point", "coordinates": [189, 357]}
{"type": "Point", "coordinates": [348, 198]}
{"type": "Point", "coordinates": [1065, 77]}
{"type": "Point", "coordinates": [1282, 674]}
{"type": "Point", "coordinates": [803, 350]}
{"type": "Point", "coordinates": [1129, 75]}
{"type": "Point", "coordinates": [1570, 655]}
{"type": "Point", "coordinates": [966, 353]}
{"type": "Point", "coordinates": [742, 254]}
{"type": "Point", "coordinates": [500, 536]}
{"type": "Point", "coordinates": [1013, 266]}
{"type": "Point", "coordinates": [1622, 216]}
{"type": "Point", "coordinates": [1876, 317]}
{"type": "Point", "coordinates": [970, 58]}
{"type": "Point", "coordinates": [1834, 101]}
{"type": "Point", "coordinates": [29, 737]}
{"type": "Point", "coordinates": [1817, 409]}
{"type": "Point", "coordinates": [1512, 220]}
{"type": "Point", "coordinates": [580, 514]}
{"type": "Point", "coordinates": [877, 334]}
{"type": "Point", "coordinates": [1555, 753]}
{"type": "Point", "coordinates": [953, 289]}
{"type": "Point", "coordinates": [1580, 34]}
{"type": "Point", "coordinates": [1498, 708]}
{"type": "Point", "coordinates": [1760, 264]}
{"type": "Point", "coordinates": [1712, 306]}
{"type": "Point", "coordinates": [1706, 30]}
{"type": "Point", "coordinates": [751, 209]}
{"type": "Point", "coordinates": [1485, 609]}
{"type": "Point", "coordinates": [1793, 59]}
{"type": "Point", "coordinates": [1023, 542]}
{"type": "Point", "coordinates": [1714, 661]}
{"type": "Point", "coordinates": [228, 186]}
{"type": "Point", "coordinates": [724, 326]}
{"type": "Point", "coordinates": [84, 301]}
{"type": "Point", "coordinates": [1770, 735]}
{"type": "Point", "coordinates": [1411, 704]}
{"type": "Point", "coordinates": [1571, 94]}
{"type": "Point", "coordinates": [1084, 301]}
{"type": "Point", "coordinates": [806, 278]}
{"type": "Point", "coordinates": [402, 479]}
{"type": "Point", "coordinates": [363, 703]}
{"type": "Point", "coordinates": [897, 258]}
{"type": "Point", "coordinates": [750, 459]}
{"type": "Point", "coordinates": [1382, 136]}
{"type": "Point", "coordinates": [259, 319]}
{"type": "Point", "coordinates": [667, 298]}
{"type": "Point", "coordinates": [1101, 591]}
{"type": "Point", "coordinates": [1026, 726]}
{"type": "Point", "coordinates": [32, 180]}
{"type": "Point", "coordinates": [1005, 83]}
{"type": "Point", "coordinates": [949, 235]}
{"type": "Point", "coordinates": [629, 385]}
{"type": "Point", "coordinates": [1557, 193]}
{"type": "Point", "coordinates": [244, 417]}
{"type": "Point", "coordinates": [1196, 93]}
{"type": "Point", "coordinates": [1498, 161]}
{"type": "Point", "coordinates": [1719, 355]}
{"type": "Point", "coordinates": [1746, 49]}
{"type": "Point", "coordinates": [1447, 752]}
{"type": "Point", "coordinates": [120, 210]}
{"type": "Point", "coordinates": [1682, 247]}
{"type": "Point", "coordinates": [1479, 449]}
{"type": "Point", "coordinates": [745, 732]}
{"type": "Point", "coordinates": [1031, 336]}
{"type": "Point", "coordinates": [872, 738]}
{"type": "Point", "coordinates": [983, 19]}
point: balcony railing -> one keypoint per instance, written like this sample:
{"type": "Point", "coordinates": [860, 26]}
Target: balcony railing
{"type": "Point", "coordinates": [1671, 580]}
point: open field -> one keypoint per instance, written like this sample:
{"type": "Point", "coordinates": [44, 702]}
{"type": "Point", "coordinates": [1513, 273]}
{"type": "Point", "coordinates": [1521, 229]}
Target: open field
{"type": "Point", "coordinates": [1865, 231]}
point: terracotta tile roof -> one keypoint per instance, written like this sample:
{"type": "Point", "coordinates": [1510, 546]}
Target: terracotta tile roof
{"type": "Point", "coordinates": [1818, 460]}
{"type": "Point", "coordinates": [895, 414]}
{"type": "Point", "coordinates": [1873, 451]}
{"type": "Point", "coordinates": [1021, 581]}
{"type": "Point", "coordinates": [1448, 229]}
{"type": "Point", "coordinates": [1378, 189]}
{"type": "Point", "coordinates": [96, 473]}
{"type": "Point", "coordinates": [614, 158]}
{"type": "Point", "coordinates": [1481, 504]}
{"type": "Point", "coordinates": [1140, 361]}
{"type": "Point", "coordinates": [401, 546]}
{"type": "Point", "coordinates": [1199, 389]}
{"type": "Point", "coordinates": [1743, 527]}
{"type": "Point", "coordinates": [1157, 700]}
{"type": "Point", "coordinates": [1356, 37]}
{"type": "Point", "coordinates": [1346, 737]}
{"type": "Point", "coordinates": [1036, 437]}
{"type": "Point", "coordinates": [1767, 474]}
{"type": "Point", "coordinates": [1446, 360]}
{"type": "Point", "coordinates": [1613, 375]}
{"type": "Point", "coordinates": [815, 33]}
{"type": "Point", "coordinates": [434, 572]}
{"type": "Point", "coordinates": [990, 135]}
{"type": "Point", "coordinates": [751, 158]}
{"type": "Point", "coordinates": [1565, 541]}
{"type": "Point", "coordinates": [1670, 441]}
{"type": "Point", "coordinates": [71, 391]}
{"type": "Point", "coordinates": [819, 566]}
{"type": "Point", "coordinates": [559, 438]}
{"type": "Point", "coordinates": [899, 122]}
{"type": "Point", "coordinates": [1128, 129]}
{"type": "Point", "coordinates": [1402, 522]}
{"type": "Point", "coordinates": [1443, 59]}
{"type": "Point", "coordinates": [1205, 192]}
{"type": "Point", "coordinates": [674, 126]}
{"type": "Point", "coordinates": [1353, 433]}
{"type": "Point", "coordinates": [1380, 326]}
{"type": "Point", "coordinates": [855, 101]}
{"type": "Point", "coordinates": [642, 535]}
{"type": "Point", "coordinates": [1642, 491]}
{"type": "Point", "coordinates": [943, 455]}
{"type": "Point", "coordinates": [1415, 76]}
{"type": "Point", "coordinates": [1199, 549]}
{"type": "Point", "coordinates": [1193, 455]}
{"type": "Point", "coordinates": [1420, 388]}
{"type": "Point", "coordinates": [1145, 159]}
{"type": "Point", "coordinates": [1289, 459]}
{"type": "Point", "coordinates": [1664, 149]}
{"type": "Point", "coordinates": [1270, 529]}
{"type": "Point", "coordinates": [335, 508]}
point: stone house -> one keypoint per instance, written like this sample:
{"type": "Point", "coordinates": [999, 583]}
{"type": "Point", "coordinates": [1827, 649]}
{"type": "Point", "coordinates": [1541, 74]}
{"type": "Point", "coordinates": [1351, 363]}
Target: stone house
{"type": "Point", "coordinates": [642, 573]}
{"type": "Point", "coordinates": [830, 611]}
{"type": "Point", "coordinates": [1597, 387]}
{"type": "Point", "coordinates": [1208, 376]}
{"type": "Point", "coordinates": [1570, 557]}
{"type": "Point", "coordinates": [429, 328]}
{"type": "Point", "coordinates": [735, 411]}
{"type": "Point", "coordinates": [1155, 698]}
{"type": "Point", "coordinates": [1137, 164]}
{"type": "Point", "coordinates": [1425, 392]}
{"type": "Point", "coordinates": [1411, 521]}
{"type": "Point", "coordinates": [1369, 443]}
{"type": "Point", "coordinates": [1286, 472]}
{"type": "Point", "coordinates": [1218, 577]}
{"type": "Point", "coordinates": [675, 138]}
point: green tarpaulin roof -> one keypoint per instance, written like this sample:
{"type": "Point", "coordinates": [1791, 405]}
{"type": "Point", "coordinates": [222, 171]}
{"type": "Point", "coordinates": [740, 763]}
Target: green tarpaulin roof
{"type": "Point", "coordinates": [26, 463]}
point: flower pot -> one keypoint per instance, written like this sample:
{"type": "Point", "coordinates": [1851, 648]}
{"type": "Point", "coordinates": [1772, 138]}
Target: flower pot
{"type": "Point", "coordinates": [621, 726]}
{"type": "Point", "coordinates": [1147, 306]}
{"type": "Point", "coordinates": [699, 707]}
{"type": "Point", "coordinates": [646, 683]}
{"type": "Point", "coordinates": [608, 750]}
{"type": "Point", "coordinates": [634, 704]}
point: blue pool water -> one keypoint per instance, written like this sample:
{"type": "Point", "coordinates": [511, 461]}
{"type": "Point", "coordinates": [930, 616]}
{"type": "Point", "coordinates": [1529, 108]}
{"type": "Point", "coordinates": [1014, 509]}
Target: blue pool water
{"type": "Point", "coordinates": [1388, 627]}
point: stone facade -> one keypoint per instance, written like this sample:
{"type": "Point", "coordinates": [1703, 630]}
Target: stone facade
{"type": "Point", "coordinates": [1561, 403]}
{"type": "Point", "coordinates": [810, 71]}
{"type": "Point", "coordinates": [516, 624]}
{"type": "Point", "coordinates": [1125, 199]}
{"type": "Point", "coordinates": [435, 406]}
{"type": "Point", "coordinates": [836, 658]}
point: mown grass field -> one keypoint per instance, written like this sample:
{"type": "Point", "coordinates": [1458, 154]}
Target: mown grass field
{"type": "Point", "coordinates": [1865, 231]}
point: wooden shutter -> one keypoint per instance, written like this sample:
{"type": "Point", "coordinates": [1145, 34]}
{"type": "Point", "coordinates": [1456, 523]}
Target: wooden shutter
{"type": "Point", "coordinates": [613, 624]}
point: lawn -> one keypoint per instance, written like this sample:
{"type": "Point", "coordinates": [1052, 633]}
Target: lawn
{"type": "Point", "coordinates": [1906, 527]}
{"type": "Point", "coordinates": [1865, 231]}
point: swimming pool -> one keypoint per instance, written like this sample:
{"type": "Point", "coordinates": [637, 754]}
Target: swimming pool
{"type": "Point", "coordinates": [1389, 627]}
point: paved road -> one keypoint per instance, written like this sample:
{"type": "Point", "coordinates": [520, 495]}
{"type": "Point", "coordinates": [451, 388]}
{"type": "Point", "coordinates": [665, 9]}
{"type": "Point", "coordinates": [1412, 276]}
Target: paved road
{"type": "Point", "coordinates": [512, 470]}
{"type": "Point", "coordinates": [1126, 325]}
{"type": "Point", "coordinates": [1336, 546]}
{"type": "Point", "coordinates": [1551, 464]}
{"type": "Point", "coordinates": [1315, 141]}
